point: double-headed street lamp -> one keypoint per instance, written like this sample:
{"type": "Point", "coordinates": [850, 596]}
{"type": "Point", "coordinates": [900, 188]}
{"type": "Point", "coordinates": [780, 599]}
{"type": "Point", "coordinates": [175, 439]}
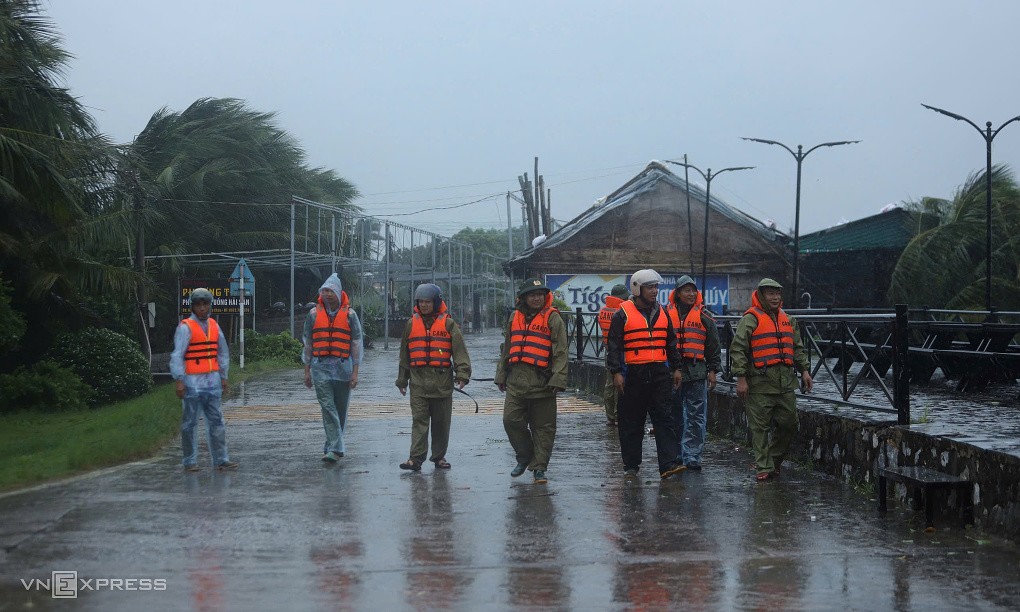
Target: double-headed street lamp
{"type": "Point", "coordinates": [799, 155]}
{"type": "Point", "coordinates": [988, 135]}
{"type": "Point", "coordinates": [708, 197]}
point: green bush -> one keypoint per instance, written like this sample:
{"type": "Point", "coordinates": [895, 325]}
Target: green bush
{"type": "Point", "coordinates": [109, 362]}
{"type": "Point", "coordinates": [261, 347]}
{"type": "Point", "coordinates": [43, 387]}
{"type": "Point", "coordinates": [12, 324]}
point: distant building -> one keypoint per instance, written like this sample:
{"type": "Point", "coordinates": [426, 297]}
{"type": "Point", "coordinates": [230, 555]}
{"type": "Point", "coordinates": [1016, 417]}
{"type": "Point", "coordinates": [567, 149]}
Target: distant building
{"type": "Point", "coordinates": [645, 224]}
{"type": "Point", "coordinates": [851, 265]}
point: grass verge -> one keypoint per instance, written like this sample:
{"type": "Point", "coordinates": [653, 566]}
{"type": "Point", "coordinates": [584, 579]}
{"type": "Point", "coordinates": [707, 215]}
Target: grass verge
{"type": "Point", "coordinates": [35, 447]}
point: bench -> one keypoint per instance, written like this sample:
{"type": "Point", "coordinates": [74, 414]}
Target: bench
{"type": "Point", "coordinates": [927, 480]}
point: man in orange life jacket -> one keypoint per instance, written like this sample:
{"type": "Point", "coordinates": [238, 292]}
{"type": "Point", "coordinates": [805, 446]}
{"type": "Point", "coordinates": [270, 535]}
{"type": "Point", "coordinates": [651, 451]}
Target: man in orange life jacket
{"type": "Point", "coordinates": [698, 343]}
{"type": "Point", "coordinates": [765, 356]}
{"type": "Point", "coordinates": [199, 364]}
{"type": "Point", "coordinates": [645, 364]}
{"type": "Point", "coordinates": [532, 369]}
{"type": "Point", "coordinates": [433, 359]}
{"type": "Point", "coordinates": [617, 296]}
{"type": "Point", "coordinates": [333, 348]}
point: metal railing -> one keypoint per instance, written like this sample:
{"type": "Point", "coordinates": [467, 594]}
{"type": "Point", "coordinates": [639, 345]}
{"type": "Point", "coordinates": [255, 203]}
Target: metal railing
{"type": "Point", "coordinates": [847, 348]}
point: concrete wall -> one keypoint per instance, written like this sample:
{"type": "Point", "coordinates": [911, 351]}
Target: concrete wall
{"type": "Point", "coordinates": [853, 448]}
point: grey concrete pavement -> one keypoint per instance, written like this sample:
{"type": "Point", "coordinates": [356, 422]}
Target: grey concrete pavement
{"type": "Point", "coordinates": [289, 532]}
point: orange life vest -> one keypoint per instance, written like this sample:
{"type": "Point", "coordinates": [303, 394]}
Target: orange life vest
{"type": "Point", "coordinates": [331, 336]}
{"type": "Point", "coordinates": [532, 343]}
{"type": "Point", "coordinates": [771, 344]}
{"type": "Point", "coordinates": [606, 315]}
{"type": "Point", "coordinates": [433, 347]}
{"type": "Point", "coordinates": [692, 332]}
{"type": "Point", "coordinates": [203, 349]}
{"type": "Point", "coordinates": [643, 344]}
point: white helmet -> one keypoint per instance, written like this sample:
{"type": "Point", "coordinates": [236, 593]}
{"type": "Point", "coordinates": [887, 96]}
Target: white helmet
{"type": "Point", "coordinates": [642, 278]}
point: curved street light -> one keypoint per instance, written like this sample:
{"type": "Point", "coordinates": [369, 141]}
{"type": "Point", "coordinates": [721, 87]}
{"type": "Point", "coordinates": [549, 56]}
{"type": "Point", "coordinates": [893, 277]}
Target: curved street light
{"type": "Point", "coordinates": [799, 155]}
{"type": "Point", "coordinates": [708, 197]}
{"type": "Point", "coordinates": [988, 135]}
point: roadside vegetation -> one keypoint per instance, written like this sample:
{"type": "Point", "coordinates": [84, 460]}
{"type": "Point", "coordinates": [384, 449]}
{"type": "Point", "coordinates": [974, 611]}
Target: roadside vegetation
{"type": "Point", "coordinates": [40, 444]}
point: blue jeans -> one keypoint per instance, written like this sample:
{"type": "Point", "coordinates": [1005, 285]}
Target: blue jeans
{"type": "Point", "coordinates": [689, 405]}
{"type": "Point", "coordinates": [333, 396]}
{"type": "Point", "coordinates": [206, 401]}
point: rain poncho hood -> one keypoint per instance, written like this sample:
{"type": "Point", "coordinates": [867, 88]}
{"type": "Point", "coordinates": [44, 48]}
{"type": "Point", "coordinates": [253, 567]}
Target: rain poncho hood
{"type": "Point", "coordinates": [333, 284]}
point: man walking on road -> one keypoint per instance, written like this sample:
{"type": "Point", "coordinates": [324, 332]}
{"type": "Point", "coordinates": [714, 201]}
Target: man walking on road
{"type": "Point", "coordinates": [617, 296]}
{"type": "Point", "coordinates": [642, 339]}
{"type": "Point", "coordinates": [532, 369]}
{"type": "Point", "coordinates": [333, 349]}
{"type": "Point", "coordinates": [701, 357]}
{"type": "Point", "coordinates": [433, 359]}
{"type": "Point", "coordinates": [199, 364]}
{"type": "Point", "coordinates": [765, 356]}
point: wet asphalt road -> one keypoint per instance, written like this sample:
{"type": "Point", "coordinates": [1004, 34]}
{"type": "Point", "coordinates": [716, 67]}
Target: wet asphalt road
{"type": "Point", "coordinates": [288, 532]}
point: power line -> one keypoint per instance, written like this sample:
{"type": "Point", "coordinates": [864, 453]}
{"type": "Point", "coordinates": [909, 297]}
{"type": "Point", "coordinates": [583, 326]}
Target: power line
{"type": "Point", "coordinates": [488, 197]}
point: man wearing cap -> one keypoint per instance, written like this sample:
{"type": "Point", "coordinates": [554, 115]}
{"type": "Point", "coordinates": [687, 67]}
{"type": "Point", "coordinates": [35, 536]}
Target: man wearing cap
{"type": "Point", "coordinates": [199, 364]}
{"type": "Point", "coordinates": [617, 296]}
{"type": "Point", "coordinates": [765, 356]}
{"type": "Point", "coordinates": [645, 364]}
{"type": "Point", "coordinates": [701, 357]}
{"type": "Point", "coordinates": [532, 369]}
{"type": "Point", "coordinates": [333, 348]}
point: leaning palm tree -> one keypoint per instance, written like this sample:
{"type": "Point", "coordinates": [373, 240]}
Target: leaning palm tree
{"type": "Point", "coordinates": [56, 224]}
{"type": "Point", "coordinates": [216, 177]}
{"type": "Point", "coordinates": [945, 267]}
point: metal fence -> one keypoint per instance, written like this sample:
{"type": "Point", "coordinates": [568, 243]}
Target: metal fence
{"type": "Point", "coordinates": [847, 348]}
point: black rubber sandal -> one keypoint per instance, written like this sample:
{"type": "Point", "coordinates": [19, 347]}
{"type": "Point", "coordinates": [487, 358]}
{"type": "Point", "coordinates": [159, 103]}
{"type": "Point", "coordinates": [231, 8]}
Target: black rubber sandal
{"type": "Point", "coordinates": [411, 464]}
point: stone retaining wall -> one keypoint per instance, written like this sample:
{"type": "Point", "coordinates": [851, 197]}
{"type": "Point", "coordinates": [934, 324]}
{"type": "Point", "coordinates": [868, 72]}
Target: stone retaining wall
{"type": "Point", "coordinates": [853, 448]}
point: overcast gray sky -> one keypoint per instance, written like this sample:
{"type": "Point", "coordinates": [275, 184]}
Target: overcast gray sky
{"type": "Point", "coordinates": [407, 98]}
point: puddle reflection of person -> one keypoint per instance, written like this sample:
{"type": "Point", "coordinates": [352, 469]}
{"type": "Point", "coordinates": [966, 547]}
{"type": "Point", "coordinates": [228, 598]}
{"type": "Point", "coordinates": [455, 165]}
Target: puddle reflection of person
{"type": "Point", "coordinates": [649, 585]}
{"type": "Point", "coordinates": [338, 555]}
{"type": "Point", "coordinates": [434, 580]}
{"type": "Point", "coordinates": [771, 575]}
{"type": "Point", "coordinates": [535, 576]}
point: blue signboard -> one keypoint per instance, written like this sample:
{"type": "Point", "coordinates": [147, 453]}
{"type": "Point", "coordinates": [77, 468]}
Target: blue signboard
{"type": "Point", "coordinates": [589, 291]}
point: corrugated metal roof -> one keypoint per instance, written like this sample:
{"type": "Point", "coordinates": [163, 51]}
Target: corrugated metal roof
{"type": "Point", "coordinates": [889, 230]}
{"type": "Point", "coordinates": [640, 184]}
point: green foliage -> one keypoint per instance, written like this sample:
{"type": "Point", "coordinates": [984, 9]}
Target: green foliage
{"type": "Point", "coordinates": [43, 387]}
{"type": "Point", "coordinates": [55, 168]}
{"type": "Point", "coordinates": [38, 446]}
{"type": "Point", "coordinates": [559, 304]}
{"type": "Point", "coordinates": [945, 267]}
{"type": "Point", "coordinates": [109, 362]}
{"type": "Point", "coordinates": [492, 241]}
{"type": "Point", "coordinates": [262, 347]}
{"type": "Point", "coordinates": [12, 324]}
{"type": "Point", "coordinates": [372, 323]}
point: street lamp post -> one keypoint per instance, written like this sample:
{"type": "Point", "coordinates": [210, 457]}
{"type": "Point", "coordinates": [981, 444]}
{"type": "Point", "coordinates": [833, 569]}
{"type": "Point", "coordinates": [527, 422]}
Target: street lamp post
{"type": "Point", "coordinates": [799, 156]}
{"type": "Point", "coordinates": [989, 135]}
{"type": "Point", "coordinates": [708, 197]}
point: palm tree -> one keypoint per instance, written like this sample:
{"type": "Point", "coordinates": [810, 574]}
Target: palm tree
{"type": "Point", "coordinates": [57, 228]}
{"type": "Point", "coordinates": [217, 176]}
{"type": "Point", "coordinates": [53, 170]}
{"type": "Point", "coordinates": [945, 267]}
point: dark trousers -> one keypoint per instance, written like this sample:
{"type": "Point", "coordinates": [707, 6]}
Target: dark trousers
{"type": "Point", "coordinates": [645, 397]}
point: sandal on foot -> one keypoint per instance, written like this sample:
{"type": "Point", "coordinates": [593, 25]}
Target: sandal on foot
{"type": "Point", "coordinates": [411, 464]}
{"type": "Point", "coordinates": [763, 476]}
{"type": "Point", "coordinates": [442, 464]}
